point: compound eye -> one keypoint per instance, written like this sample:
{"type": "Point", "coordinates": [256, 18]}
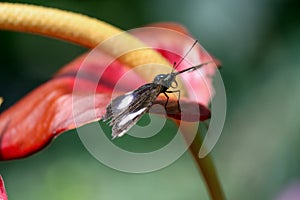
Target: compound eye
{"type": "Point", "coordinates": [174, 84]}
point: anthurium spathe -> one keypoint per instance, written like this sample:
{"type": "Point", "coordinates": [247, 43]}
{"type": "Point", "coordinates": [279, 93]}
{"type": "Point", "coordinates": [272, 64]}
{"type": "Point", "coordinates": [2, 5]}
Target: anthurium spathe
{"type": "Point", "coordinates": [36, 119]}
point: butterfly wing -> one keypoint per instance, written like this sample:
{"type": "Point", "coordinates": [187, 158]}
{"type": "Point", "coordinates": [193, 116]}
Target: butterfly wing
{"type": "Point", "coordinates": [125, 110]}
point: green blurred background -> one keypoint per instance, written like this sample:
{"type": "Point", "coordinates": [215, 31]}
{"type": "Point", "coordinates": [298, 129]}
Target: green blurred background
{"type": "Point", "coordinates": [257, 156]}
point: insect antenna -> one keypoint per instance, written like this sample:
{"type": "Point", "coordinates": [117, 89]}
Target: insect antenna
{"type": "Point", "coordinates": [180, 61]}
{"type": "Point", "coordinates": [193, 68]}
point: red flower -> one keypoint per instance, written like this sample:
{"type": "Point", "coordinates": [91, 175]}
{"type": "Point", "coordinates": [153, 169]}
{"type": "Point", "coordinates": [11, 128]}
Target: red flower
{"type": "Point", "coordinates": [3, 195]}
{"type": "Point", "coordinates": [36, 119]}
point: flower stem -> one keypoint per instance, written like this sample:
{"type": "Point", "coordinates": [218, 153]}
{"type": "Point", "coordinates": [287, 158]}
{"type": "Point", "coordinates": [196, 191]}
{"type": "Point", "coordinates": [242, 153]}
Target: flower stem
{"type": "Point", "coordinates": [205, 165]}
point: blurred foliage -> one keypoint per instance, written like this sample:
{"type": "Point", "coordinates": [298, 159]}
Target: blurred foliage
{"type": "Point", "coordinates": [257, 154]}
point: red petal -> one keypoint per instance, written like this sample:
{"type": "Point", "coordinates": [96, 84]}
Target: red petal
{"type": "Point", "coordinates": [28, 125]}
{"type": "Point", "coordinates": [55, 106]}
{"type": "Point", "coordinates": [75, 97]}
{"type": "Point", "coordinates": [3, 195]}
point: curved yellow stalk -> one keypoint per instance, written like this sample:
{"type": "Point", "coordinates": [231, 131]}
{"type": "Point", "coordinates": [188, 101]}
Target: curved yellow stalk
{"type": "Point", "coordinates": [79, 29]}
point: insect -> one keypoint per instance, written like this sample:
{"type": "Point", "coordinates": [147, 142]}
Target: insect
{"type": "Point", "coordinates": [124, 111]}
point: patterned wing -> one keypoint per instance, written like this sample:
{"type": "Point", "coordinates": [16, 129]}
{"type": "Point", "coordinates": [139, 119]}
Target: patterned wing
{"type": "Point", "coordinates": [125, 110]}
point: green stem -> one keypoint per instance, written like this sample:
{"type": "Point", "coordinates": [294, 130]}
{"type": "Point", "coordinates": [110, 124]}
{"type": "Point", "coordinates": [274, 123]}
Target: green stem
{"type": "Point", "coordinates": [205, 165]}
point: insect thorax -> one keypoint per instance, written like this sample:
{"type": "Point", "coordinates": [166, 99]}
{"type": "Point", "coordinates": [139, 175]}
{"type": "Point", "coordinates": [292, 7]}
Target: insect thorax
{"type": "Point", "coordinates": [165, 80]}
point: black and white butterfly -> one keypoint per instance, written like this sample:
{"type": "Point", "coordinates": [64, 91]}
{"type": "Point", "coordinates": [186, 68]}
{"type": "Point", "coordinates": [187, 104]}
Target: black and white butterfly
{"type": "Point", "coordinates": [124, 111]}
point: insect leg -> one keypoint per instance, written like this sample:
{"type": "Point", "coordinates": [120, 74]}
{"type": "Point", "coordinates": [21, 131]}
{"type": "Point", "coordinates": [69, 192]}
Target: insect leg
{"type": "Point", "coordinates": [175, 91]}
{"type": "Point", "coordinates": [167, 99]}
